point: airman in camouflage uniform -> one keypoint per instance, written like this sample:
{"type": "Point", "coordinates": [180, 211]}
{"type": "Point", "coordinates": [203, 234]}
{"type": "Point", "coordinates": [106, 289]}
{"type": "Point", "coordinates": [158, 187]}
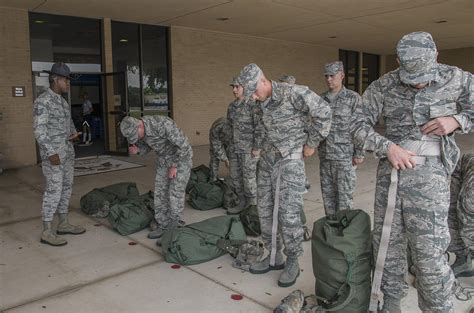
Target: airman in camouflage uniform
{"type": "Point", "coordinates": [337, 155]}
{"type": "Point", "coordinates": [219, 139]}
{"type": "Point", "coordinates": [422, 103]}
{"type": "Point", "coordinates": [241, 116]}
{"type": "Point", "coordinates": [461, 216]}
{"type": "Point", "coordinates": [54, 131]}
{"type": "Point", "coordinates": [162, 135]}
{"type": "Point", "coordinates": [290, 79]}
{"type": "Point", "coordinates": [282, 142]}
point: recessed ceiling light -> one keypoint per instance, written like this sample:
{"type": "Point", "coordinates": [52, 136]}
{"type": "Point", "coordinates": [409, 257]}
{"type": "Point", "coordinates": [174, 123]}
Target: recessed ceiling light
{"type": "Point", "coordinates": [332, 37]}
{"type": "Point", "coordinates": [223, 19]}
{"type": "Point", "coordinates": [123, 40]}
{"type": "Point", "coordinates": [39, 22]}
{"type": "Point", "coordinates": [441, 22]}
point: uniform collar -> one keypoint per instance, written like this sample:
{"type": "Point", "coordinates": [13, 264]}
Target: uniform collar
{"type": "Point", "coordinates": [341, 93]}
{"type": "Point", "coordinates": [277, 89]}
{"type": "Point", "coordinates": [53, 94]}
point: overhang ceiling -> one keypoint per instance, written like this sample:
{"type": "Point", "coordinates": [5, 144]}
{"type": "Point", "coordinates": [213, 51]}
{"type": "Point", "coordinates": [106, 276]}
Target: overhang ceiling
{"type": "Point", "coordinates": [365, 25]}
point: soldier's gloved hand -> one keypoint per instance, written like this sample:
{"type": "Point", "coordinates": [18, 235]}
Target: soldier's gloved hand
{"type": "Point", "coordinates": [226, 162]}
{"type": "Point", "coordinates": [172, 172]}
{"type": "Point", "coordinates": [255, 153]}
{"type": "Point", "coordinates": [400, 158]}
{"type": "Point", "coordinates": [54, 159]}
{"type": "Point", "coordinates": [357, 161]}
{"type": "Point", "coordinates": [133, 149]}
{"type": "Point", "coordinates": [307, 151]}
{"type": "Point", "coordinates": [440, 126]}
{"type": "Point", "coordinates": [75, 136]}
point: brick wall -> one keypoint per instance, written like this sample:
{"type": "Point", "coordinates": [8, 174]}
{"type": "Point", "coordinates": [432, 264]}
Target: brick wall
{"type": "Point", "coordinates": [16, 125]}
{"type": "Point", "coordinates": [203, 63]}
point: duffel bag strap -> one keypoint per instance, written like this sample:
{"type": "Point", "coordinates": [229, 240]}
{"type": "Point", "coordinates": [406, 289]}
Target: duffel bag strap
{"type": "Point", "coordinates": [384, 241]}
{"type": "Point", "coordinates": [347, 284]}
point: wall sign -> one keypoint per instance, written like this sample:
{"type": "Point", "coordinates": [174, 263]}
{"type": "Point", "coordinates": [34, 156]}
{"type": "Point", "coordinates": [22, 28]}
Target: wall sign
{"type": "Point", "coordinates": [18, 91]}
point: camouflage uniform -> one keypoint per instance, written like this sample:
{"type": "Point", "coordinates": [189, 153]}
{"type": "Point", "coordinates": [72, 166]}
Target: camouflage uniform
{"type": "Point", "coordinates": [337, 173]}
{"type": "Point", "coordinates": [243, 166]}
{"type": "Point", "coordinates": [290, 79]}
{"type": "Point", "coordinates": [53, 126]}
{"type": "Point", "coordinates": [421, 210]}
{"type": "Point", "coordinates": [219, 139]}
{"type": "Point", "coordinates": [280, 135]}
{"type": "Point", "coordinates": [172, 148]}
{"type": "Point", "coordinates": [461, 209]}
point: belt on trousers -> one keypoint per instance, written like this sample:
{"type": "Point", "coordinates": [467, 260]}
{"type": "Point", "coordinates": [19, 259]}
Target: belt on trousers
{"type": "Point", "coordinates": [297, 155]}
{"type": "Point", "coordinates": [425, 148]}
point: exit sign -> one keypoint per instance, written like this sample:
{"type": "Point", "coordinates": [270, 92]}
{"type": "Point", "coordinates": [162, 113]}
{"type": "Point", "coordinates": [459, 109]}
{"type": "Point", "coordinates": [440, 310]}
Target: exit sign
{"type": "Point", "coordinates": [18, 91]}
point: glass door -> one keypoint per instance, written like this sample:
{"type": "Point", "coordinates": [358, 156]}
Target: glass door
{"type": "Point", "coordinates": [114, 86]}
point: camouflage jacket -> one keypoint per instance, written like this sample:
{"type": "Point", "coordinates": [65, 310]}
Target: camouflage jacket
{"type": "Point", "coordinates": [219, 138]}
{"type": "Point", "coordinates": [405, 110]}
{"type": "Point", "coordinates": [163, 136]}
{"type": "Point", "coordinates": [53, 125]}
{"type": "Point", "coordinates": [286, 115]}
{"type": "Point", "coordinates": [338, 144]}
{"type": "Point", "coordinates": [241, 115]}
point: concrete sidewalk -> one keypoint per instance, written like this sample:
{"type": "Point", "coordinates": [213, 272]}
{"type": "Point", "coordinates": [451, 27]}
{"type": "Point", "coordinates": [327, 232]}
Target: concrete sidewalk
{"type": "Point", "coordinates": [102, 271]}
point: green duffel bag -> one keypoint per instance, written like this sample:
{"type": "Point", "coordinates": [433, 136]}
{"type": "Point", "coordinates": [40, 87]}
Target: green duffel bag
{"type": "Point", "coordinates": [199, 174]}
{"type": "Point", "coordinates": [342, 255]}
{"type": "Point", "coordinates": [197, 243]}
{"type": "Point", "coordinates": [251, 221]}
{"type": "Point", "coordinates": [206, 196]}
{"type": "Point", "coordinates": [92, 201]}
{"type": "Point", "coordinates": [231, 200]}
{"type": "Point", "coordinates": [132, 215]}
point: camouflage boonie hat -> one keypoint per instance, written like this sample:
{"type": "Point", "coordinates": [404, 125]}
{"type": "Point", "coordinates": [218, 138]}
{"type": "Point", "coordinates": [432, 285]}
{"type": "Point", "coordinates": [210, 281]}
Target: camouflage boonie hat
{"type": "Point", "coordinates": [249, 77]}
{"type": "Point", "coordinates": [235, 82]}
{"type": "Point", "coordinates": [288, 79]}
{"type": "Point", "coordinates": [417, 55]}
{"type": "Point", "coordinates": [333, 68]}
{"type": "Point", "coordinates": [249, 253]}
{"type": "Point", "coordinates": [129, 129]}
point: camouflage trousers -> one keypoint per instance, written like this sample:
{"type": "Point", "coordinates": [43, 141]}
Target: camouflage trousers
{"type": "Point", "coordinates": [337, 185]}
{"type": "Point", "coordinates": [420, 220]}
{"type": "Point", "coordinates": [170, 193]}
{"type": "Point", "coordinates": [243, 171]}
{"type": "Point", "coordinates": [456, 244]}
{"type": "Point", "coordinates": [58, 187]}
{"type": "Point", "coordinates": [214, 163]}
{"type": "Point", "coordinates": [292, 179]}
{"type": "Point", "coordinates": [461, 209]}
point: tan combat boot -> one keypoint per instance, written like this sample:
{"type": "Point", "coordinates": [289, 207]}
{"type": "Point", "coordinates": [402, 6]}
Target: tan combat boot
{"type": "Point", "coordinates": [64, 228]}
{"type": "Point", "coordinates": [49, 236]}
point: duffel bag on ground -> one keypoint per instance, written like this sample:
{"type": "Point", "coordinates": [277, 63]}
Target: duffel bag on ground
{"type": "Point", "coordinates": [197, 243]}
{"type": "Point", "coordinates": [206, 196]}
{"type": "Point", "coordinates": [342, 255]}
{"type": "Point", "coordinates": [94, 200]}
{"type": "Point", "coordinates": [132, 215]}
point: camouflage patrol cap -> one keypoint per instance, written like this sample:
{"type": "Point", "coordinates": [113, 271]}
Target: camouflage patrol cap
{"type": "Point", "coordinates": [333, 68]}
{"type": "Point", "coordinates": [249, 77]}
{"type": "Point", "coordinates": [235, 82]}
{"type": "Point", "coordinates": [417, 55]}
{"type": "Point", "coordinates": [129, 129]}
{"type": "Point", "coordinates": [288, 79]}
